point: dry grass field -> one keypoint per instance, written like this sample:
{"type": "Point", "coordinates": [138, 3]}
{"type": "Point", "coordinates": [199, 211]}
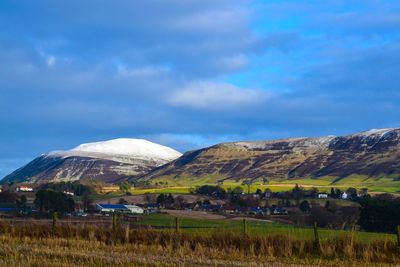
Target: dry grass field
{"type": "Point", "coordinates": [31, 244]}
{"type": "Point", "coordinates": [80, 252]}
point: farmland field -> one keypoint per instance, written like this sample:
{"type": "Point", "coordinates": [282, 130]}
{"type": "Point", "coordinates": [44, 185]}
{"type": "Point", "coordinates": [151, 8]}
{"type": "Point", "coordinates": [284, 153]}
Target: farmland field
{"type": "Point", "coordinates": [197, 243]}
{"type": "Point", "coordinates": [256, 227]}
{"type": "Point", "coordinates": [374, 185]}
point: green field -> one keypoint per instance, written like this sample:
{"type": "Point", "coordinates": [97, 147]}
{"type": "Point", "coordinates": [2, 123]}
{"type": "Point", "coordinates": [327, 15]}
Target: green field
{"type": "Point", "coordinates": [183, 184]}
{"type": "Point", "coordinates": [166, 190]}
{"type": "Point", "coordinates": [255, 227]}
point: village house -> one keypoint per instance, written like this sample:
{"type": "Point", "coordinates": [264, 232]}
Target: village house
{"type": "Point", "coordinates": [69, 193]}
{"type": "Point", "coordinates": [257, 211]}
{"type": "Point", "coordinates": [24, 188]}
{"type": "Point", "coordinates": [150, 208]}
{"type": "Point", "coordinates": [229, 209]}
{"type": "Point", "coordinates": [279, 211]}
{"type": "Point", "coordinates": [112, 208]}
{"type": "Point", "coordinates": [108, 189]}
{"type": "Point", "coordinates": [322, 195]}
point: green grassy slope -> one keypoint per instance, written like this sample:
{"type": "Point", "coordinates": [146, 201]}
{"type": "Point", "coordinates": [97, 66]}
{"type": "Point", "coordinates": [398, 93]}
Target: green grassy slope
{"type": "Point", "coordinates": [381, 184]}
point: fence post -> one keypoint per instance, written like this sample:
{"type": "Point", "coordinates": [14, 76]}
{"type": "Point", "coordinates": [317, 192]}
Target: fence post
{"type": "Point", "coordinates": [54, 223]}
{"type": "Point", "coordinates": [316, 237]}
{"type": "Point", "coordinates": [244, 227]}
{"type": "Point", "coordinates": [127, 233]}
{"type": "Point", "coordinates": [114, 228]}
{"type": "Point", "coordinates": [176, 224]}
{"type": "Point", "coordinates": [114, 222]}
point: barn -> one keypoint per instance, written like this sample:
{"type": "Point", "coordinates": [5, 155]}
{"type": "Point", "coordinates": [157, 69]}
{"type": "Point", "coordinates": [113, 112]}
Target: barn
{"type": "Point", "coordinates": [111, 208]}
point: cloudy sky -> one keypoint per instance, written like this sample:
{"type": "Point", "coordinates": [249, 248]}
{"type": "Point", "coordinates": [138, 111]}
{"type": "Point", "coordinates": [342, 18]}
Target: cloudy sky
{"type": "Point", "coordinates": [191, 73]}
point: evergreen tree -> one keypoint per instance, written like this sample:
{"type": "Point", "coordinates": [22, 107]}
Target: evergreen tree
{"type": "Point", "coordinates": [305, 206]}
{"type": "Point", "coordinates": [333, 195]}
{"type": "Point", "coordinates": [53, 201]}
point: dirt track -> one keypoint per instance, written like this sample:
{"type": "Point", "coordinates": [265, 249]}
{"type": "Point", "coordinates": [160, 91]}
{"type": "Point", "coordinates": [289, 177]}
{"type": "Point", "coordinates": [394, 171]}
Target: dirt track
{"type": "Point", "coordinates": [208, 216]}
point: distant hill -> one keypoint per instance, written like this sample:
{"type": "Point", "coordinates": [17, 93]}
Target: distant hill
{"type": "Point", "coordinates": [370, 158]}
{"type": "Point", "coordinates": [374, 153]}
{"type": "Point", "coordinates": [108, 161]}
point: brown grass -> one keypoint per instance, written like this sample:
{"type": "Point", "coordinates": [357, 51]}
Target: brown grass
{"type": "Point", "coordinates": [32, 244]}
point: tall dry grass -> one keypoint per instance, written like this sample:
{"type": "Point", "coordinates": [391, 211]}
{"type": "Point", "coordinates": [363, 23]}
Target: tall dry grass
{"type": "Point", "coordinates": [223, 247]}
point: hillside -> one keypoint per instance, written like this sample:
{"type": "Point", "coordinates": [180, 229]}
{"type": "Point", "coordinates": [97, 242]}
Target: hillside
{"type": "Point", "coordinates": [108, 161]}
{"type": "Point", "coordinates": [371, 154]}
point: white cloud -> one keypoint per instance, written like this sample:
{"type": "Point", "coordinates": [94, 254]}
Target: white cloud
{"type": "Point", "coordinates": [216, 96]}
{"type": "Point", "coordinates": [235, 62]}
{"type": "Point", "coordinates": [141, 71]}
{"type": "Point", "coordinates": [51, 61]}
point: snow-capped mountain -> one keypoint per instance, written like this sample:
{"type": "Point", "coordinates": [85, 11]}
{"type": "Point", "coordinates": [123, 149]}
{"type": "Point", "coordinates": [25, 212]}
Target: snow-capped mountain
{"type": "Point", "coordinates": [122, 150]}
{"type": "Point", "coordinates": [107, 161]}
{"type": "Point", "coordinates": [373, 153]}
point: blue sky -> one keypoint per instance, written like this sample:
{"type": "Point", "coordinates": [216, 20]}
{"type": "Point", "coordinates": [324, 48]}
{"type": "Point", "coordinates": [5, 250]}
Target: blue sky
{"type": "Point", "coordinates": [192, 73]}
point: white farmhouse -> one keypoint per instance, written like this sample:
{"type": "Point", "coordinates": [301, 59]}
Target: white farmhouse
{"type": "Point", "coordinates": [134, 209]}
{"type": "Point", "coordinates": [24, 188]}
{"type": "Point", "coordinates": [69, 193]}
{"type": "Point", "coordinates": [111, 208]}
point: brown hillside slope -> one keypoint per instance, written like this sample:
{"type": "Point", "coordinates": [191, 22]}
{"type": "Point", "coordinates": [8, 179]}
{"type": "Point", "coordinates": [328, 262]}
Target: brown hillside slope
{"type": "Point", "coordinates": [372, 153]}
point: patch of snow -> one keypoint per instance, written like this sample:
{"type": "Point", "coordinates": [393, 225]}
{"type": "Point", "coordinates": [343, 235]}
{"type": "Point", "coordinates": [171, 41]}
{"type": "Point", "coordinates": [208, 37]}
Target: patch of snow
{"type": "Point", "coordinates": [300, 143]}
{"type": "Point", "coordinates": [375, 132]}
{"type": "Point", "coordinates": [123, 150]}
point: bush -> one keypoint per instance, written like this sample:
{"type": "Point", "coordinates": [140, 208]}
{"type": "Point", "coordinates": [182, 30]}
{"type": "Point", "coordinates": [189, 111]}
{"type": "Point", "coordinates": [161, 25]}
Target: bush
{"type": "Point", "coordinates": [379, 214]}
{"type": "Point", "coordinates": [77, 188]}
{"type": "Point", "coordinates": [211, 190]}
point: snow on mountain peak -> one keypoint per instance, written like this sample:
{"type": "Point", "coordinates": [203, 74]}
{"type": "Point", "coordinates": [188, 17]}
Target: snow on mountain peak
{"type": "Point", "coordinates": [376, 132]}
{"type": "Point", "coordinates": [136, 148]}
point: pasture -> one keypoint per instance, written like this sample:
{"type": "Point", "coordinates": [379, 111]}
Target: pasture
{"type": "Point", "coordinates": [255, 227]}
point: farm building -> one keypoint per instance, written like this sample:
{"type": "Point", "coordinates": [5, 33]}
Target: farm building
{"type": "Point", "coordinates": [111, 208]}
{"type": "Point", "coordinates": [69, 193]}
{"type": "Point", "coordinates": [24, 188]}
{"type": "Point", "coordinates": [108, 189]}
{"type": "Point", "coordinates": [322, 195]}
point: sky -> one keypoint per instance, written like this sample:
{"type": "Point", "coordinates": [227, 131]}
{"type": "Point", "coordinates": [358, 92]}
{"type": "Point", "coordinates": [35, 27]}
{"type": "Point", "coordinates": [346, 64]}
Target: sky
{"type": "Point", "coordinates": [193, 73]}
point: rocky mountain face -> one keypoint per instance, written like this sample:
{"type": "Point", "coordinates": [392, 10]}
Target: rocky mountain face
{"type": "Point", "coordinates": [372, 153]}
{"type": "Point", "coordinates": [108, 161]}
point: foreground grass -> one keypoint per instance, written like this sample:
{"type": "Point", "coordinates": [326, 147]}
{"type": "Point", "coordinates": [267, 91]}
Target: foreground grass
{"type": "Point", "coordinates": [79, 252]}
{"type": "Point", "coordinates": [32, 244]}
{"type": "Point", "coordinates": [59, 252]}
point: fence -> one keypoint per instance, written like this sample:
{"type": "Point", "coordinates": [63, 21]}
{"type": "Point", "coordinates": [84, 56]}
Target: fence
{"type": "Point", "coordinates": [240, 235]}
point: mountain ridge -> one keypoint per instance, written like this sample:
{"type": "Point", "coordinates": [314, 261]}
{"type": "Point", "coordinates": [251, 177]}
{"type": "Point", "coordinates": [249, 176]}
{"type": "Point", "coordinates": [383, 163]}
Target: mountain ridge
{"type": "Point", "coordinates": [374, 153]}
{"type": "Point", "coordinates": [371, 153]}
